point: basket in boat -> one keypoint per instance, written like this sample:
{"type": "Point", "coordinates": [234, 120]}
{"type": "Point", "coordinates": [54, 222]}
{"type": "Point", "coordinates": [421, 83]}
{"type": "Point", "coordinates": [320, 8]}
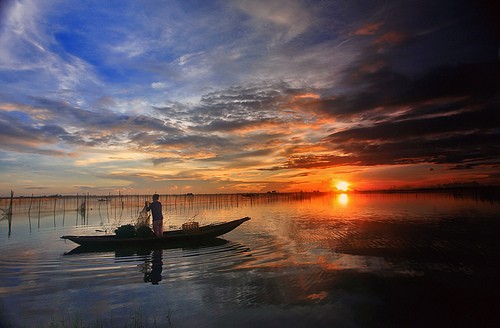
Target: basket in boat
{"type": "Point", "coordinates": [190, 227]}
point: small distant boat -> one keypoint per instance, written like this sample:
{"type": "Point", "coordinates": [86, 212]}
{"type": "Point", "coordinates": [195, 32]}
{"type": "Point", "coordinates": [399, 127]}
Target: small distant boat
{"type": "Point", "coordinates": [195, 234]}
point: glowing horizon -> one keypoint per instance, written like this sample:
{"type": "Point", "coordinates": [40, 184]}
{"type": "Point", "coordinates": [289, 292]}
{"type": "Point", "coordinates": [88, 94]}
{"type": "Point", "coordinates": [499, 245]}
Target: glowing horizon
{"type": "Point", "coordinates": [229, 97]}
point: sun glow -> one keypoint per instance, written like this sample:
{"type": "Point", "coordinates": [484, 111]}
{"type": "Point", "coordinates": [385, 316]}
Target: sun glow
{"type": "Point", "coordinates": [342, 185]}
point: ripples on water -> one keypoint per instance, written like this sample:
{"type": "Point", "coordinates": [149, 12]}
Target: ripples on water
{"type": "Point", "coordinates": [303, 260]}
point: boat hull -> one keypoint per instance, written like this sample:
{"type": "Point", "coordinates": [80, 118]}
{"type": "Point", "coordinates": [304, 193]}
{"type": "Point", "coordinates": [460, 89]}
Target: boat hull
{"type": "Point", "coordinates": [122, 250]}
{"type": "Point", "coordinates": [169, 237]}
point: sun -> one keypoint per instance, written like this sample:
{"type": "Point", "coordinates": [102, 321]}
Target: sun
{"type": "Point", "coordinates": [342, 186]}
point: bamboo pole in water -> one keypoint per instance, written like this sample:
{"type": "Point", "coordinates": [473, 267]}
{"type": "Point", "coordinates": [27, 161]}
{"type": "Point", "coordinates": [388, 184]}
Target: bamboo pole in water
{"type": "Point", "coordinates": [76, 209]}
{"type": "Point", "coordinates": [87, 207]}
{"type": "Point", "coordinates": [29, 212]}
{"type": "Point", "coordinates": [39, 205]}
{"type": "Point", "coordinates": [31, 201]}
{"type": "Point", "coordinates": [9, 213]}
{"type": "Point", "coordinates": [55, 203]}
{"type": "Point", "coordinates": [64, 210]}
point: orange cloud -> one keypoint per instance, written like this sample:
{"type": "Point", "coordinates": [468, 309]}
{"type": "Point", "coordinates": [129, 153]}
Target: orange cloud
{"type": "Point", "coordinates": [306, 96]}
{"type": "Point", "coordinates": [392, 38]}
{"type": "Point", "coordinates": [317, 296]}
{"type": "Point", "coordinates": [368, 29]}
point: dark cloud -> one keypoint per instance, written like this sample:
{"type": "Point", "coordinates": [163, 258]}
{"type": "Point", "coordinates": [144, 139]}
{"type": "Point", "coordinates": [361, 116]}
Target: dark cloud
{"type": "Point", "coordinates": [49, 121]}
{"type": "Point", "coordinates": [464, 151]}
{"type": "Point", "coordinates": [188, 143]}
{"type": "Point", "coordinates": [241, 155]}
{"type": "Point", "coordinates": [19, 135]}
{"type": "Point", "coordinates": [316, 161]}
{"type": "Point", "coordinates": [102, 119]}
{"type": "Point", "coordinates": [478, 81]}
{"type": "Point", "coordinates": [148, 123]}
{"type": "Point", "coordinates": [466, 138]}
{"type": "Point", "coordinates": [389, 90]}
{"type": "Point", "coordinates": [218, 125]}
{"type": "Point", "coordinates": [447, 116]}
{"type": "Point", "coordinates": [173, 109]}
{"type": "Point", "coordinates": [241, 106]}
{"type": "Point", "coordinates": [484, 120]}
{"type": "Point", "coordinates": [166, 160]}
{"type": "Point", "coordinates": [415, 51]}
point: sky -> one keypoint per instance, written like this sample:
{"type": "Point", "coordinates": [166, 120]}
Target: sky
{"type": "Point", "coordinates": [230, 96]}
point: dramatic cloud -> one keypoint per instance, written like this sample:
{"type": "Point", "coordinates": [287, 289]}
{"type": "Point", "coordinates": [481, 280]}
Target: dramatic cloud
{"type": "Point", "coordinates": [247, 95]}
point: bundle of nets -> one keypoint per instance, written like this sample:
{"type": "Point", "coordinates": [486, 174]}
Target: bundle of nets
{"type": "Point", "coordinates": [140, 229]}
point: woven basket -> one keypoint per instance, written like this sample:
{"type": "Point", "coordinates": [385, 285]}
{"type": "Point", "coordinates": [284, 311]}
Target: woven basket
{"type": "Point", "coordinates": [190, 227]}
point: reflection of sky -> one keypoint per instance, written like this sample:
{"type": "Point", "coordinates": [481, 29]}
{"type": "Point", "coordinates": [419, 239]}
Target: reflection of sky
{"type": "Point", "coordinates": [245, 96]}
{"type": "Point", "coordinates": [284, 259]}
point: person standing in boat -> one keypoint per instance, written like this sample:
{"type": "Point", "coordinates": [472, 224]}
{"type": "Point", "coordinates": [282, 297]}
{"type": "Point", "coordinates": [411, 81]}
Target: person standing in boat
{"type": "Point", "coordinates": [156, 211]}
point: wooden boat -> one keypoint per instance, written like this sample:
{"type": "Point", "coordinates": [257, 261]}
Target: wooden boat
{"type": "Point", "coordinates": [201, 233]}
{"type": "Point", "coordinates": [127, 250]}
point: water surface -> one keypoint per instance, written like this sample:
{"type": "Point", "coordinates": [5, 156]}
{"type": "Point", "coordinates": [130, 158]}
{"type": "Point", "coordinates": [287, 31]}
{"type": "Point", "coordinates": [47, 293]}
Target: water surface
{"type": "Point", "coordinates": [304, 260]}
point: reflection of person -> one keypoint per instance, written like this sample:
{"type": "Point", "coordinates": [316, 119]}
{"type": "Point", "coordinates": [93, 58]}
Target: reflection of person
{"type": "Point", "coordinates": [155, 208]}
{"type": "Point", "coordinates": [154, 276]}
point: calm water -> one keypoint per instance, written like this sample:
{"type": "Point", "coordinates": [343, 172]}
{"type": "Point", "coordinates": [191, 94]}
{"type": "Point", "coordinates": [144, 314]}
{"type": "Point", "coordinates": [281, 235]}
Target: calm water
{"type": "Point", "coordinates": [310, 260]}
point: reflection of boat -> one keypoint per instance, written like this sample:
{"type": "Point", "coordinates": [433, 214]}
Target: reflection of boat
{"type": "Point", "coordinates": [154, 267]}
{"type": "Point", "coordinates": [169, 237]}
{"type": "Point", "coordinates": [127, 250]}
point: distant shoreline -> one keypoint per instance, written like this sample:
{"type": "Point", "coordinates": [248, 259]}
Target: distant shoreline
{"type": "Point", "coordinates": [464, 190]}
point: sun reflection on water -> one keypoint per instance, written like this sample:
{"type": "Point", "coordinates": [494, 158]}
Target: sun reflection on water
{"type": "Point", "coordinates": [342, 199]}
